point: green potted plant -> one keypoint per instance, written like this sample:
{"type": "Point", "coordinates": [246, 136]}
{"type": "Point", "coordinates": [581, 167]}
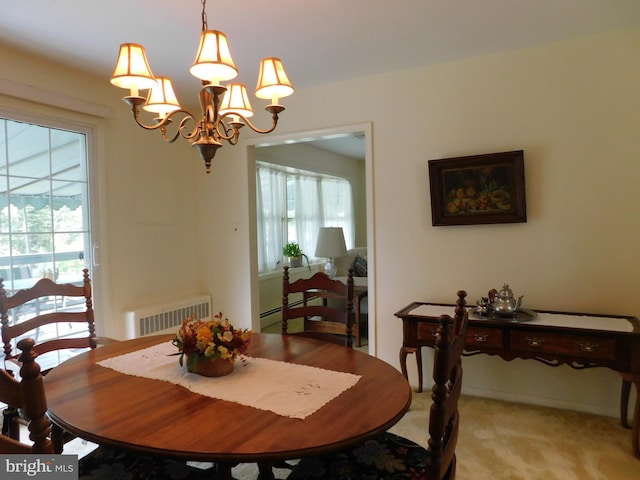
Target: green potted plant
{"type": "Point", "coordinates": [294, 252]}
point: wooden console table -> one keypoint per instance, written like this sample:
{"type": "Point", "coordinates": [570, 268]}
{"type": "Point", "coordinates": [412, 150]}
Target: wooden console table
{"type": "Point", "coordinates": [580, 340]}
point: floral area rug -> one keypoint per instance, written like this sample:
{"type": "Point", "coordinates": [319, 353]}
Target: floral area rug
{"type": "Point", "coordinates": [106, 463]}
{"type": "Point", "coordinates": [113, 464]}
{"type": "Point", "coordinates": [386, 457]}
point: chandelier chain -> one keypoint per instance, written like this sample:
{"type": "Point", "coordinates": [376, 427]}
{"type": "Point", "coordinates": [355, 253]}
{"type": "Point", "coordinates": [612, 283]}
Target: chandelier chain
{"type": "Point", "coordinates": [205, 25]}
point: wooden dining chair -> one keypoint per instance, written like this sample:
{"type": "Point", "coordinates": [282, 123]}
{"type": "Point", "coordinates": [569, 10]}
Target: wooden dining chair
{"type": "Point", "coordinates": [325, 309]}
{"type": "Point", "coordinates": [49, 318]}
{"type": "Point", "coordinates": [28, 395]}
{"type": "Point", "coordinates": [391, 456]}
{"type": "Point", "coordinates": [59, 317]}
{"type": "Point", "coordinates": [313, 304]}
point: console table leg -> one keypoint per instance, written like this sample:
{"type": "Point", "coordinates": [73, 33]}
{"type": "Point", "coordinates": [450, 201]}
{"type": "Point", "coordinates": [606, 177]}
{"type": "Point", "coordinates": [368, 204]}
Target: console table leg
{"type": "Point", "coordinates": [403, 361]}
{"type": "Point", "coordinates": [404, 351]}
{"type": "Point", "coordinates": [635, 429]}
{"type": "Point", "coordinates": [419, 360]}
{"type": "Point", "coordinates": [624, 403]}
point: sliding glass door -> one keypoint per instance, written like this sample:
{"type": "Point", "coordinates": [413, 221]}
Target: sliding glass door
{"type": "Point", "coordinates": [44, 210]}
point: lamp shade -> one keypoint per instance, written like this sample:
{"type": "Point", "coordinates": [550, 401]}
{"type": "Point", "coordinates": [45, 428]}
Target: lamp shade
{"type": "Point", "coordinates": [272, 80]}
{"type": "Point", "coordinates": [162, 98]}
{"type": "Point", "coordinates": [213, 62]}
{"type": "Point", "coordinates": [331, 243]}
{"type": "Point", "coordinates": [236, 101]}
{"type": "Point", "coordinates": [132, 68]}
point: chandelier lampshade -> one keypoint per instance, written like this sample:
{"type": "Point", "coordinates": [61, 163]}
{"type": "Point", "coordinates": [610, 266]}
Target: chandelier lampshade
{"type": "Point", "coordinates": [132, 69]}
{"type": "Point", "coordinates": [213, 62]}
{"type": "Point", "coordinates": [225, 109]}
{"type": "Point", "coordinates": [162, 99]}
{"type": "Point", "coordinates": [272, 80]}
{"type": "Point", "coordinates": [236, 101]}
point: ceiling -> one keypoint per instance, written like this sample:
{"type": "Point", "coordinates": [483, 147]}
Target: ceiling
{"type": "Point", "coordinates": [320, 42]}
{"type": "Point", "coordinates": [348, 144]}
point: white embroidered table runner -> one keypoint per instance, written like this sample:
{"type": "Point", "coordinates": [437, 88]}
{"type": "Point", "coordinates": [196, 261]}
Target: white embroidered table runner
{"type": "Point", "coordinates": [287, 389]}
{"type": "Point", "coordinates": [544, 319]}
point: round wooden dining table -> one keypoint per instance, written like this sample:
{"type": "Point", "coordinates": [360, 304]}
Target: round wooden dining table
{"type": "Point", "coordinates": [107, 407]}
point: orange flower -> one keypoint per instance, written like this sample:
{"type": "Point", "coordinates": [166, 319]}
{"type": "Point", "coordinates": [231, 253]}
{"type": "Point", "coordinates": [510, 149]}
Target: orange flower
{"type": "Point", "coordinates": [204, 334]}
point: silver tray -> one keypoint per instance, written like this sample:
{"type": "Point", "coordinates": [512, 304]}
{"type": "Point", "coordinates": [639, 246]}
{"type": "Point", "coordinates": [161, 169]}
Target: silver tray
{"type": "Point", "coordinates": [521, 315]}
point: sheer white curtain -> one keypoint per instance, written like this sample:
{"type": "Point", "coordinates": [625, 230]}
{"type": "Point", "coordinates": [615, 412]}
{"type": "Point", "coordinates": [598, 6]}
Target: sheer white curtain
{"type": "Point", "coordinates": [337, 207]}
{"type": "Point", "coordinates": [271, 200]}
{"type": "Point", "coordinates": [316, 201]}
{"type": "Point", "coordinates": [307, 220]}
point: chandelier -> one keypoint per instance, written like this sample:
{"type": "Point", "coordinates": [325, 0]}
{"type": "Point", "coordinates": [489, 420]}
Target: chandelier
{"type": "Point", "coordinates": [225, 108]}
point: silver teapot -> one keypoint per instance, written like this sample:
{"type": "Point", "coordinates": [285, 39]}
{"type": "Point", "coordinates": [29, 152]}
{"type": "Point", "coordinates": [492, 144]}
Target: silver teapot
{"type": "Point", "coordinates": [503, 302]}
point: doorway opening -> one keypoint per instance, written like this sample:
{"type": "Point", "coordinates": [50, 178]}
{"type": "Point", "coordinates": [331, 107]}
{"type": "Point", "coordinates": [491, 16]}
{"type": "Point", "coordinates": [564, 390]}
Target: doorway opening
{"type": "Point", "coordinates": [344, 152]}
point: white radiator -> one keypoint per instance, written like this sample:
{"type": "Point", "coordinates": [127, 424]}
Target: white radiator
{"type": "Point", "coordinates": [166, 318]}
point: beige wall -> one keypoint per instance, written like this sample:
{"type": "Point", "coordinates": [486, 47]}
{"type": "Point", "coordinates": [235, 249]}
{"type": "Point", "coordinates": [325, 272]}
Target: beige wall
{"type": "Point", "coordinates": [573, 107]}
{"type": "Point", "coordinates": [146, 190]}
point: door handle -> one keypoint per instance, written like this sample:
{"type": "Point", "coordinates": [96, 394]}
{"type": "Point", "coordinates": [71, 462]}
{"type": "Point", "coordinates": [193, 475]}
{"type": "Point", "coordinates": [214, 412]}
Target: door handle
{"type": "Point", "coordinates": [95, 252]}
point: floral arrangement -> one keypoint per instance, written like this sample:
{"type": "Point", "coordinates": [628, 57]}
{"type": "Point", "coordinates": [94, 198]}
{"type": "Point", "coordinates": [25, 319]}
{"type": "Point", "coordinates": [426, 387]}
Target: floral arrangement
{"type": "Point", "coordinates": [210, 339]}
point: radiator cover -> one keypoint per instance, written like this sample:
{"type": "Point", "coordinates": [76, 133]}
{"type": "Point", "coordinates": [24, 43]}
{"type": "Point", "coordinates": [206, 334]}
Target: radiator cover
{"type": "Point", "coordinates": [167, 318]}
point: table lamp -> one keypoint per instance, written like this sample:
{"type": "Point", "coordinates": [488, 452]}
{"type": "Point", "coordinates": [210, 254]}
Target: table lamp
{"type": "Point", "coordinates": [331, 245]}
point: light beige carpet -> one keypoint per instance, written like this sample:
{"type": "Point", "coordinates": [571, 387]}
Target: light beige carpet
{"type": "Point", "coordinates": [510, 441]}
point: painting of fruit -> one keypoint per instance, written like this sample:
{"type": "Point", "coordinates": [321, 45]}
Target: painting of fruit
{"type": "Point", "coordinates": [478, 189]}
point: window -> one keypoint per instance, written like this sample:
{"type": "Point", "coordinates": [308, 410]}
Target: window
{"type": "Point", "coordinates": [44, 217]}
{"type": "Point", "coordinates": [293, 204]}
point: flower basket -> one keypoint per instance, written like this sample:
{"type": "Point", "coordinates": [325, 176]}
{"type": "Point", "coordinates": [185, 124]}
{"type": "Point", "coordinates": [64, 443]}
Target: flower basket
{"type": "Point", "coordinates": [206, 367]}
{"type": "Point", "coordinates": [211, 346]}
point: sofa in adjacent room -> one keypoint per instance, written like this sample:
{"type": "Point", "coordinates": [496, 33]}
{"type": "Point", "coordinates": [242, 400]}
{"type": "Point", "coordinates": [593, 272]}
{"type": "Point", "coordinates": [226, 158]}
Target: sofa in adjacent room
{"type": "Point", "coordinates": [356, 259]}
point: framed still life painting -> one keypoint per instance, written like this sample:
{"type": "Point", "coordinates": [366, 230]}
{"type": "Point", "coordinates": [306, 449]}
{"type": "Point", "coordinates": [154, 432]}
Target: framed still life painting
{"type": "Point", "coordinates": [478, 189]}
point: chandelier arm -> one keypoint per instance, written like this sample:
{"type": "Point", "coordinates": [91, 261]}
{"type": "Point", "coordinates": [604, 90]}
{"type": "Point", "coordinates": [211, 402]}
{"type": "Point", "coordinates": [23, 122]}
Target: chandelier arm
{"type": "Point", "coordinates": [162, 124]}
{"type": "Point", "coordinates": [232, 133]}
{"type": "Point", "coordinates": [182, 130]}
{"type": "Point", "coordinates": [227, 132]}
{"type": "Point", "coordinates": [245, 121]}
